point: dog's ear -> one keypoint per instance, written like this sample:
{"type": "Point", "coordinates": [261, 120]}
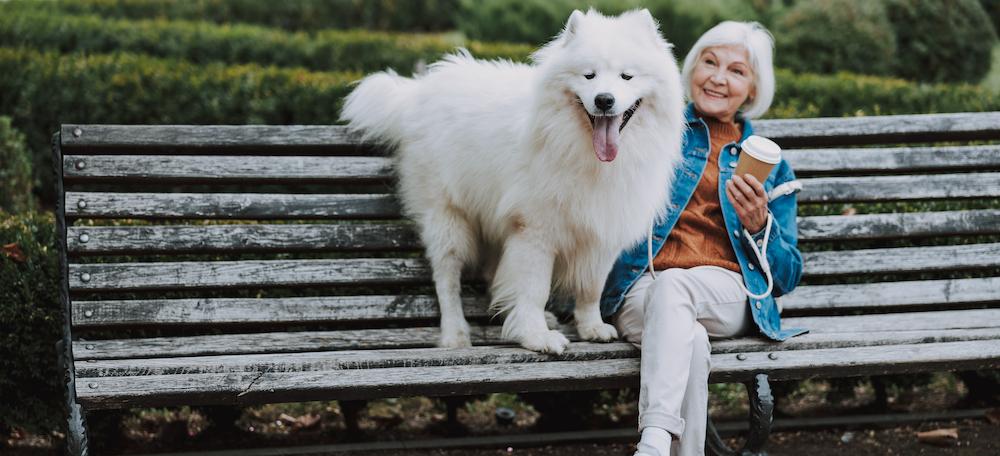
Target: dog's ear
{"type": "Point", "coordinates": [646, 19]}
{"type": "Point", "coordinates": [573, 24]}
{"type": "Point", "coordinates": [643, 18]}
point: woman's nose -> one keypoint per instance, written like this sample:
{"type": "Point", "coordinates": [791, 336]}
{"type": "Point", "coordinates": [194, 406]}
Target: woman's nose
{"type": "Point", "coordinates": [717, 77]}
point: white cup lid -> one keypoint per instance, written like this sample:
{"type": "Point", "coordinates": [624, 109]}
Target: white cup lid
{"type": "Point", "coordinates": [762, 149]}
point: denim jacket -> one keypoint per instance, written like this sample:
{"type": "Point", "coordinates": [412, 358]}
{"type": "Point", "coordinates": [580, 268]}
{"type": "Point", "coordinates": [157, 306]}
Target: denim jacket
{"type": "Point", "coordinates": [782, 251]}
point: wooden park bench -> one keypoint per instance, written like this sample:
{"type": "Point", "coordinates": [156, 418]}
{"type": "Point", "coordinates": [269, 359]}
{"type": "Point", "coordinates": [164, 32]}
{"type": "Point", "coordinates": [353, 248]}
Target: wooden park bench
{"type": "Point", "coordinates": [307, 285]}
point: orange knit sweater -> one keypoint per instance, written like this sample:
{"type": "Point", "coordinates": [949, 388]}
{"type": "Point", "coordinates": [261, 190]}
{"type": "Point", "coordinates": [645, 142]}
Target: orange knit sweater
{"type": "Point", "coordinates": [700, 237]}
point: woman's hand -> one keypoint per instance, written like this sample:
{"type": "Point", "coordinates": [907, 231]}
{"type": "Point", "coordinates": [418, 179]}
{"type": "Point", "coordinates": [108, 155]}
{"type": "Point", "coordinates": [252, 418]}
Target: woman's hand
{"type": "Point", "coordinates": [748, 197]}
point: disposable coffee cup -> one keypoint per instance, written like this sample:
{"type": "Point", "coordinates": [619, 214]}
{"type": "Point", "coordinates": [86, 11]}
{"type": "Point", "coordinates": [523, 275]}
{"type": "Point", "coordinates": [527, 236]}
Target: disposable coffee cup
{"type": "Point", "coordinates": [758, 158]}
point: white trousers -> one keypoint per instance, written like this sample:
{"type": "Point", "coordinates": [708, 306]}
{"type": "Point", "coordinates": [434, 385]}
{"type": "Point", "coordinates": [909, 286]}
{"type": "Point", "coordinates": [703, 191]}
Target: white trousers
{"type": "Point", "coordinates": [671, 319]}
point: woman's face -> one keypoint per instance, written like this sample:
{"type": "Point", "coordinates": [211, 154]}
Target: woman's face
{"type": "Point", "coordinates": [721, 81]}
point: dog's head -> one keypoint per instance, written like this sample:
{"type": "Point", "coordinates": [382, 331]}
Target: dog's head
{"type": "Point", "coordinates": [609, 67]}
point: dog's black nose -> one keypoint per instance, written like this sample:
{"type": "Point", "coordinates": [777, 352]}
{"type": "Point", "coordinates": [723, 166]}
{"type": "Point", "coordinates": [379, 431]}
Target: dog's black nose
{"type": "Point", "coordinates": [604, 101]}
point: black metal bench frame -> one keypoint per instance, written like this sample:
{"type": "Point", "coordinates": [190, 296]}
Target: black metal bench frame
{"type": "Point", "coordinates": [595, 366]}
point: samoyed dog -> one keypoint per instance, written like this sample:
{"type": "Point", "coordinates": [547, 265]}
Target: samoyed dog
{"type": "Point", "coordinates": [541, 174]}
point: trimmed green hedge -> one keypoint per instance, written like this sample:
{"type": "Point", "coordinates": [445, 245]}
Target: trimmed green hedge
{"type": "Point", "coordinates": [44, 89]}
{"type": "Point", "coordinates": [402, 15]}
{"type": "Point", "coordinates": [204, 42]}
{"type": "Point", "coordinates": [30, 323]}
{"type": "Point", "coordinates": [537, 21]}
{"type": "Point", "coordinates": [845, 94]}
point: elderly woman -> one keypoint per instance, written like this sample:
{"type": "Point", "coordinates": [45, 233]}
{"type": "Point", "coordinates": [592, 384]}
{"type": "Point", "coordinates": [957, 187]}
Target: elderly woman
{"type": "Point", "coordinates": [706, 279]}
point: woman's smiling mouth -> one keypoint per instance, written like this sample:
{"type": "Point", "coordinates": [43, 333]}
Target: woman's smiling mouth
{"type": "Point", "coordinates": [714, 94]}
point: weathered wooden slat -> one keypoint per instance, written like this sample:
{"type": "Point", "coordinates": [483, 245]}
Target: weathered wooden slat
{"type": "Point", "coordinates": [906, 259]}
{"type": "Point", "coordinates": [886, 295]}
{"type": "Point", "coordinates": [426, 357]}
{"type": "Point", "coordinates": [902, 321]}
{"type": "Point", "coordinates": [269, 273]}
{"type": "Point", "coordinates": [229, 205]}
{"type": "Point", "coordinates": [828, 131]}
{"type": "Point", "coordinates": [263, 310]}
{"type": "Point", "coordinates": [899, 188]}
{"type": "Point", "coordinates": [201, 311]}
{"type": "Point", "coordinates": [894, 159]}
{"type": "Point", "coordinates": [291, 342]}
{"type": "Point", "coordinates": [274, 342]}
{"type": "Point", "coordinates": [262, 387]}
{"type": "Point", "coordinates": [311, 206]}
{"type": "Point", "coordinates": [220, 168]}
{"type": "Point", "coordinates": [222, 274]}
{"type": "Point", "coordinates": [898, 225]}
{"type": "Point", "coordinates": [149, 239]}
{"type": "Point", "coordinates": [831, 131]}
{"type": "Point", "coordinates": [205, 136]}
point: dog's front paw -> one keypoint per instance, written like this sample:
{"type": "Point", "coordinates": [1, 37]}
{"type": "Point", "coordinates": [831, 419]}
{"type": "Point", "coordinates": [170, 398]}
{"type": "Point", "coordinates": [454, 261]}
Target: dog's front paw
{"type": "Point", "coordinates": [600, 332]}
{"type": "Point", "coordinates": [550, 341]}
{"type": "Point", "coordinates": [455, 336]}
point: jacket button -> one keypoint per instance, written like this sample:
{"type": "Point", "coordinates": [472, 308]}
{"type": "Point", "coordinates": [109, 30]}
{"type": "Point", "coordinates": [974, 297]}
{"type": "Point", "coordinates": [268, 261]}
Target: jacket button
{"type": "Point", "coordinates": [757, 305]}
{"type": "Point", "coordinates": [732, 150]}
{"type": "Point", "coordinates": [736, 233]}
{"type": "Point", "coordinates": [750, 266]}
{"type": "Point", "coordinates": [760, 243]}
{"type": "Point", "coordinates": [732, 164]}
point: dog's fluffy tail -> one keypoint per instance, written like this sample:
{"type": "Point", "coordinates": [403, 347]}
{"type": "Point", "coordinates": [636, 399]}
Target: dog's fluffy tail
{"type": "Point", "coordinates": [375, 107]}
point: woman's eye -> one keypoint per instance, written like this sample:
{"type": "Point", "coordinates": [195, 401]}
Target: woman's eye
{"type": "Point", "coordinates": [590, 75]}
{"type": "Point", "coordinates": [626, 76]}
{"type": "Point", "coordinates": [739, 72]}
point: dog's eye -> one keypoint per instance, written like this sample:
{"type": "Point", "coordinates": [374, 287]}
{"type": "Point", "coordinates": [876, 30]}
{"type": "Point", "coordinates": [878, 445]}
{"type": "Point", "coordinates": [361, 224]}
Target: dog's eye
{"type": "Point", "coordinates": [590, 75]}
{"type": "Point", "coordinates": [626, 76]}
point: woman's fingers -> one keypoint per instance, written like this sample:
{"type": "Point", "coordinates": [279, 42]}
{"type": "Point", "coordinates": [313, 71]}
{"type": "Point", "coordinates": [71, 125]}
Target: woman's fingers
{"type": "Point", "coordinates": [749, 185]}
{"type": "Point", "coordinates": [736, 199]}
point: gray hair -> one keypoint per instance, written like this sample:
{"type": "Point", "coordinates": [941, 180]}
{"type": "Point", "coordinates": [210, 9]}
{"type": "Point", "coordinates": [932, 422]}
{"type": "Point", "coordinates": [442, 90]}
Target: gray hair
{"type": "Point", "coordinates": [760, 47]}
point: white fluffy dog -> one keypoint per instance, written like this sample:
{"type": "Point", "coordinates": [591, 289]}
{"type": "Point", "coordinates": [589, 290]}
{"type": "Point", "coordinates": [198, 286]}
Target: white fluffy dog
{"type": "Point", "coordinates": [543, 173]}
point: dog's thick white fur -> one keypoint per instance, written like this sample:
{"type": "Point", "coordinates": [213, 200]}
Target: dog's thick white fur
{"type": "Point", "coordinates": [501, 164]}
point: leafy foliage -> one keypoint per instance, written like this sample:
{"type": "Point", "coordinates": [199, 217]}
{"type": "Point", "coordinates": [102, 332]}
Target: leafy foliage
{"type": "Point", "coordinates": [30, 322]}
{"type": "Point", "coordinates": [15, 170]}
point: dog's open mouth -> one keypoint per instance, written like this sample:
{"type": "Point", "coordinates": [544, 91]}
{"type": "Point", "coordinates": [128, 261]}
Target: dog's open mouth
{"type": "Point", "coordinates": [607, 129]}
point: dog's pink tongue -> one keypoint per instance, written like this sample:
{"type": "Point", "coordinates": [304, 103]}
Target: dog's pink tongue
{"type": "Point", "coordinates": [606, 137]}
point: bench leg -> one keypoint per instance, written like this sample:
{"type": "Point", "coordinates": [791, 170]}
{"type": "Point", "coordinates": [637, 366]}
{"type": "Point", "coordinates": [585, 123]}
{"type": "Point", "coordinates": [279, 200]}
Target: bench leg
{"type": "Point", "coordinates": [76, 429]}
{"type": "Point", "coordinates": [761, 412]}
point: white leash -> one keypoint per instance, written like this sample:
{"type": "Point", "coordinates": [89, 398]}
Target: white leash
{"type": "Point", "coordinates": [761, 259]}
{"type": "Point", "coordinates": [649, 250]}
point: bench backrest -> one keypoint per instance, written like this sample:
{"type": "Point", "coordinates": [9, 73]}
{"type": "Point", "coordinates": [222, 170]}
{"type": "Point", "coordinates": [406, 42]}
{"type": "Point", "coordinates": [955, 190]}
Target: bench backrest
{"type": "Point", "coordinates": [275, 239]}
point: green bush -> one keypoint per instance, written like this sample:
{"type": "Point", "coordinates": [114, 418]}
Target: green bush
{"type": "Point", "coordinates": [537, 21]}
{"type": "Point", "coordinates": [15, 170]}
{"type": "Point", "coordinates": [403, 15]}
{"type": "Point", "coordinates": [941, 41]}
{"type": "Point", "coordinates": [827, 36]}
{"type": "Point", "coordinates": [30, 323]}
{"type": "Point", "coordinates": [43, 90]}
{"type": "Point", "coordinates": [202, 42]}
{"type": "Point", "coordinates": [845, 94]}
